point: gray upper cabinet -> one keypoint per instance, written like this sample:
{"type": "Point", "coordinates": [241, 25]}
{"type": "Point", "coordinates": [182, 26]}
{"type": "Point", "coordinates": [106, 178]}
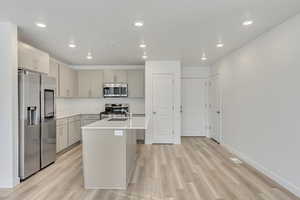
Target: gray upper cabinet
{"type": "Point", "coordinates": [32, 59]}
{"type": "Point", "coordinates": [115, 76]}
{"type": "Point", "coordinates": [54, 72]}
{"type": "Point", "coordinates": [68, 81]}
{"type": "Point", "coordinates": [120, 76]}
{"type": "Point", "coordinates": [109, 76]}
{"type": "Point", "coordinates": [90, 83]}
{"type": "Point", "coordinates": [136, 83]}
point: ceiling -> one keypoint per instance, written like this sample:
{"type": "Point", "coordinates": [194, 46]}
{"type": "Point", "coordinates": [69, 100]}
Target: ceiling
{"type": "Point", "coordinates": [173, 29]}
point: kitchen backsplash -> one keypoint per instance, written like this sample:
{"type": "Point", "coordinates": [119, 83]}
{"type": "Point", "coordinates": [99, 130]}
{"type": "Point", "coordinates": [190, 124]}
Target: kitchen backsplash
{"type": "Point", "coordinates": [93, 106]}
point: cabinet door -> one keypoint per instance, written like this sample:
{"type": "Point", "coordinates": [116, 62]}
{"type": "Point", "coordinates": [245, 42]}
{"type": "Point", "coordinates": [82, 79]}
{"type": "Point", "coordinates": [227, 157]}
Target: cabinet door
{"type": "Point", "coordinates": [74, 132]}
{"type": "Point", "coordinates": [41, 61]}
{"type": "Point", "coordinates": [109, 76]}
{"type": "Point", "coordinates": [115, 76]}
{"type": "Point", "coordinates": [58, 139]}
{"type": "Point", "coordinates": [62, 137]}
{"type": "Point", "coordinates": [68, 81]}
{"type": "Point", "coordinates": [90, 83]}
{"type": "Point", "coordinates": [32, 58]}
{"type": "Point", "coordinates": [73, 83]}
{"type": "Point", "coordinates": [25, 55]}
{"type": "Point", "coordinates": [96, 83]}
{"type": "Point", "coordinates": [84, 83]}
{"type": "Point", "coordinates": [64, 77]}
{"type": "Point", "coordinates": [120, 76]}
{"type": "Point", "coordinates": [136, 83]}
{"type": "Point", "coordinates": [78, 130]}
{"type": "Point", "coordinates": [53, 72]}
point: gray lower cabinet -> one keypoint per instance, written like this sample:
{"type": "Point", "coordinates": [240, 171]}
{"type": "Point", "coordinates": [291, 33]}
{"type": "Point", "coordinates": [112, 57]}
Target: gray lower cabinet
{"type": "Point", "coordinates": [74, 129]}
{"type": "Point", "coordinates": [67, 132]}
{"type": "Point", "coordinates": [61, 134]}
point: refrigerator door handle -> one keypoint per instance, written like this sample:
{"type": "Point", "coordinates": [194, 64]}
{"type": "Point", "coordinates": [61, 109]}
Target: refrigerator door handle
{"type": "Point", "coordinates": [32, 115]}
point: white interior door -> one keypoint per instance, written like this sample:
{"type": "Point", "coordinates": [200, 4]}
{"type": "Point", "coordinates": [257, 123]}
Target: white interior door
{"type": "Point", "coordinates": [193, 99]}
{"type": "Point", "coordinates": [215, 109]}
{"type": "Point", "coordinates": [162, 108]}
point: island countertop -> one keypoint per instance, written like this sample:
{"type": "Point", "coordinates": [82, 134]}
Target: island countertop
{"type": "Point", "coordinates": [131, 123]}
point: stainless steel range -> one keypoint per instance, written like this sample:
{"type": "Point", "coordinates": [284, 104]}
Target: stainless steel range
{"type": "Point", "coordinates": [115, 111]}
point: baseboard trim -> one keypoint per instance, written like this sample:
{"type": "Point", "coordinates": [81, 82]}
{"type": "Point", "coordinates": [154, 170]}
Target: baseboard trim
{"type": "Point", "coordinates": [67, 149]}
{"type": "Point", "coordinates": [281, 181]}
{"type": "Point", "coordinates": [17, 181]}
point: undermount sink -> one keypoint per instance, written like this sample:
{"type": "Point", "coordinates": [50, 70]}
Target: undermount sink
{"type": "Point", "coordinates": [117, 119]}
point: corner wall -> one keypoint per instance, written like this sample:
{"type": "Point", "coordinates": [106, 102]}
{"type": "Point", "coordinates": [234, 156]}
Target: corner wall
{"type": "Point", "coordinates": [8, 105]}
{"type": "Point", "coordinates": [260, 86]}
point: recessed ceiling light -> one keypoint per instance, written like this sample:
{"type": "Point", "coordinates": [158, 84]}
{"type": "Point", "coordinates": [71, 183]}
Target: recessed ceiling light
{"type": "Point", "coordinates": [220, 45]}
{"type": "Point", "coordinates": [72, 45]}
{"type": "Point", "coordinates": [139, 23]}
{"type": "Point", "coordinates": [144, 57]}
{"type": "Point", "coordinates": [89, 56]}
{"type": "Point", "coordinates": [143, 45]}
{"type": "Point", "coordinates": [40, 24]}
{"type": "Point", "coordinates": [203, 57]}
{"type": "Point", "coordinates": [247, 23]}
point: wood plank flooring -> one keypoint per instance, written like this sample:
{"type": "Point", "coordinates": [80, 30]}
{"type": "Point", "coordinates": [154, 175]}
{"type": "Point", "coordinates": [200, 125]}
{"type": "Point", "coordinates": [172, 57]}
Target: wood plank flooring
{"type": "Point", "coordinates": [197, 169]}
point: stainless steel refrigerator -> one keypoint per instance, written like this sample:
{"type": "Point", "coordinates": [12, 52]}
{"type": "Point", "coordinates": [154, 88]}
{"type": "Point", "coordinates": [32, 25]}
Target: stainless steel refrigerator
{"type": "Point", "coordinates": [37, 123]}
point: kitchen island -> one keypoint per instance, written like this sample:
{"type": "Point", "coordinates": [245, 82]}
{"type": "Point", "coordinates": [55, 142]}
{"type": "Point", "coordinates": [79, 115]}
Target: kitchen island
{"type": "Point", "coordinates": [109, 152]}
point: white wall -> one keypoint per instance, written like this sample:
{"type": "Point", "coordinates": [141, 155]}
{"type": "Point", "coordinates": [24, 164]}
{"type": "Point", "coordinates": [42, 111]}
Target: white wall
{"type": "Point", "coordinates": [194, 100]}
{"type": "Point", "coordinates": [173, 67]}
{"type": "Point", "coordinates": [8, 106]}
{"type": "Point", "coordinates": [195, 72]}
{"type": "Point", "coordinates": [261, 96]}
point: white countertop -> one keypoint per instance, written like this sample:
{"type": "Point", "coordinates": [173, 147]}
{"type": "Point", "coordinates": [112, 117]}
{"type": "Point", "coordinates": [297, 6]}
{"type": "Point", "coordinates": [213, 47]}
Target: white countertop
{"type": "Point", "coordinates": [66, 115]}
{"type": "Point", "coordinates": [132, 123]}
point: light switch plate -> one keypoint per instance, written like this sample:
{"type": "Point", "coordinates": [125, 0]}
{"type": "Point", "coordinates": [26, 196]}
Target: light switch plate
{"type": "Point", "coordinates": [119, 132]}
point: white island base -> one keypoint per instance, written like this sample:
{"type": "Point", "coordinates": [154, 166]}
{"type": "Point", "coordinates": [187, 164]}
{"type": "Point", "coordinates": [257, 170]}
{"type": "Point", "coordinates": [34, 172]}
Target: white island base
{"type": "Point", "coordinates": [109, 153]}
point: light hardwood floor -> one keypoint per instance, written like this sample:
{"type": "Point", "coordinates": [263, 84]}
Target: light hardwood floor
{"type": "Point", "coordinates": [197, 169]}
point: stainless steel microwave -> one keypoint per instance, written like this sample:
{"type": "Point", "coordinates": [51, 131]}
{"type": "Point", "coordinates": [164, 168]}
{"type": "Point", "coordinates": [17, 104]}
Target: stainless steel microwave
{"type": "Point", "coordinates": [115, 90]}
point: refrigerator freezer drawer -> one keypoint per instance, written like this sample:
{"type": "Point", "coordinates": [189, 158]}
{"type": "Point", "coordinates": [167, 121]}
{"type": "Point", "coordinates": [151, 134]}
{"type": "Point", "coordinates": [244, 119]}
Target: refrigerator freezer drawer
{"type": "Point", "coordinates": [48, 142]}
{"type": "Point", "coordinates": [30, 151]}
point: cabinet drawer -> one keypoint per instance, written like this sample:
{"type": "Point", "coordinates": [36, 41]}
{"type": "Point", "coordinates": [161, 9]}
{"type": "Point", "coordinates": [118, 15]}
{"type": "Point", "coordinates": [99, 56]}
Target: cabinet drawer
{"type": "Point", "coordinates": [61, 122]}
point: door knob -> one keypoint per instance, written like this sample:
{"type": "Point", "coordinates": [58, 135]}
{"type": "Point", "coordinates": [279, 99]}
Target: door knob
{"type": "Point", "coordinates": [154, 112]}
{"type": "Point", "coordinates": [218, 112]}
